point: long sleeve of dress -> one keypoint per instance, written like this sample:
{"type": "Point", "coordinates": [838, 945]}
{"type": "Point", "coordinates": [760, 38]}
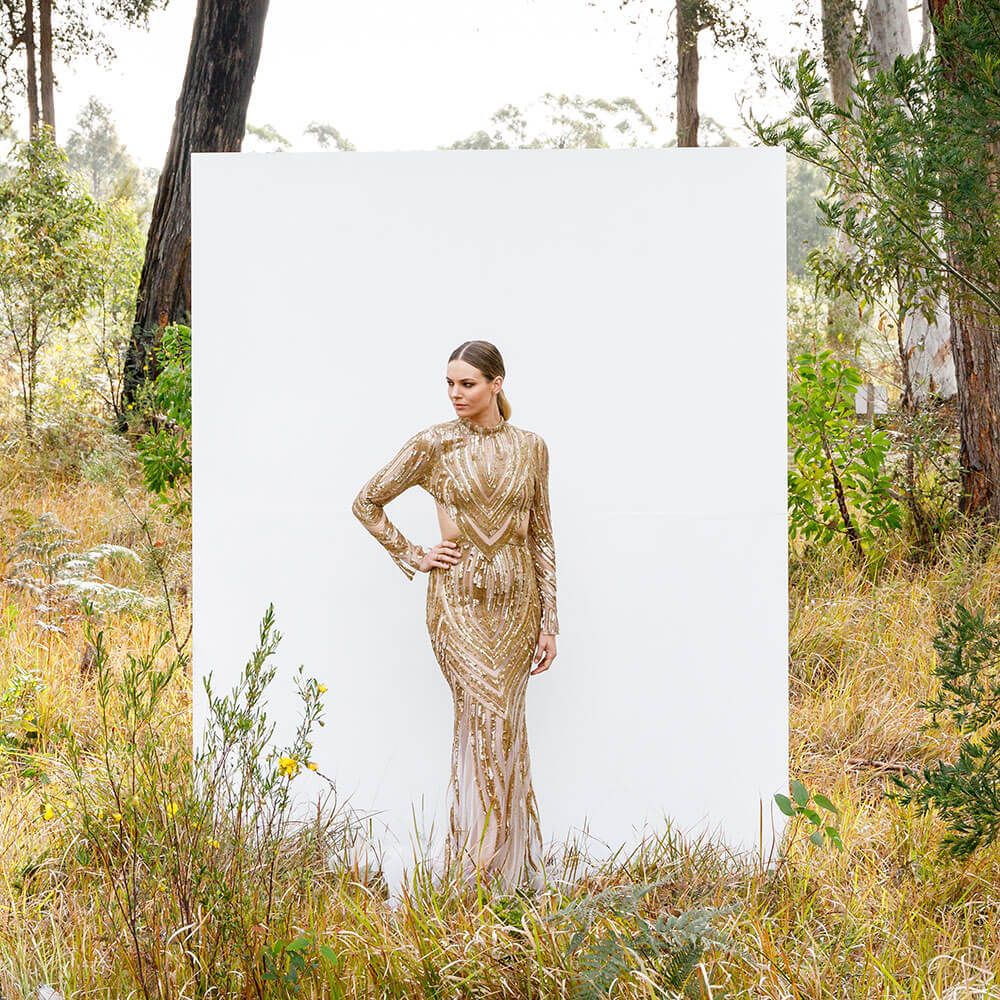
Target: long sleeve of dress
{"type": "Point", "coordinates": [408, 468]}
{"type": "Point", "coordinates": [542, 544]}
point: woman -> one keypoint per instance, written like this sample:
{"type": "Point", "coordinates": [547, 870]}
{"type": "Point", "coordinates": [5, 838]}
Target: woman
{"type": "Point", "coordinates": [491, 602]}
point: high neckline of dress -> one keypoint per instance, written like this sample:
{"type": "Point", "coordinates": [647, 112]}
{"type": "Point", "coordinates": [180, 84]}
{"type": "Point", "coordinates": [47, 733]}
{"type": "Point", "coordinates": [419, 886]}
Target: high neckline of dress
{"type": "Point", "coordinates": [478, 428]}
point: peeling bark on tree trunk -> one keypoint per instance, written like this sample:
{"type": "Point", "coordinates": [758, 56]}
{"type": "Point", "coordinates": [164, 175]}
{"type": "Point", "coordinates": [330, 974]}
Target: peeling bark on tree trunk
{"type": "Point", "coordinates": [888, 30]}
{"type": "Point", "coordinates": [975, 343]}
{"type": "Point", "coordinates": [928, 352]}
{"type": "Point", "coordinates": [211, 117]}
{"type": "Point", "coordinates": [687, 72]}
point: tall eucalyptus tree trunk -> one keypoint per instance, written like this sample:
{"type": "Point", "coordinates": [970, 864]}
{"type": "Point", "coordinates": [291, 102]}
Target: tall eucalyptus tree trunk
{"type": "Point", "coordinates": [687, 72]}
{"type": "Point", "coordinates": [975, 325]}
{"type": "Point", "coordinates": [47, 77]}
{"type": "Point", "coordinates": [926, 347]}
{"type": "Point", "coordinates": [211, 117]}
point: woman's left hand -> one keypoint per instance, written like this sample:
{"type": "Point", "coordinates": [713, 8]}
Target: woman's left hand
{"type": "Point", "coordinates": [545, 653]}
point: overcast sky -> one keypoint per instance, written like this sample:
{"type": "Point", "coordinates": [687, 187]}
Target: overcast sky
{"type": "Point", "coordinates": [399, 75]}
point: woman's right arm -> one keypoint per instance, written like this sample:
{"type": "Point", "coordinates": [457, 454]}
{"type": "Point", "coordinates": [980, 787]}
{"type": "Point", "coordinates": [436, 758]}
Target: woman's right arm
{"type": "Point", "coordinates": [410, 467]}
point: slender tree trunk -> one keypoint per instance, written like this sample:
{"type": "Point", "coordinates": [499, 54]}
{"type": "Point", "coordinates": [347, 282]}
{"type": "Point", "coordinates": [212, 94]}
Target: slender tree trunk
{"type": "Point", "coordinates": [927, 32]}
{"type": "Point", "coordinates": [211, 117]}
{"type": "Point", "coordinates": [926, 347]}
{"type": "Point", "coordinates": [845, 514]}
{"type": "Point", "coordinates": [838, 33]}
{"type": "Point", "coordinates": [46, 76]}
{"type": "Point", "coordinates": [888, 30]}
{"type": "Point", "coordinates": [29, 52]}
{"type": "Point", "coordinates": [975, 343]}
{"type": "Point", "coordinates": [687, 72]}
{"type": "Point", "coordinates": [904, 367]}
{"type": "Point", "coordinates": [928, 351]}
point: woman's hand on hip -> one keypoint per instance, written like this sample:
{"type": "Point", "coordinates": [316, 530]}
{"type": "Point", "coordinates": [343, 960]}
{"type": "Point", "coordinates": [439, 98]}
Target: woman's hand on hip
{"type": "Point", "coordinates": [444, 554]}
{"type": "Point", "coordinates": [545, 653]}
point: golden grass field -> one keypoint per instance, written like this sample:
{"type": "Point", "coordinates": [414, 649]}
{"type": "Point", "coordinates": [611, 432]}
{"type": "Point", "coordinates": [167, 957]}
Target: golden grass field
{"type": "Point", "coordinates": [884, 918]}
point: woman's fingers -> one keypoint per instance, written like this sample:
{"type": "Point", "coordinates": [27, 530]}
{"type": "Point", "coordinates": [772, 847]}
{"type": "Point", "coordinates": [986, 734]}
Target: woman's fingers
{"type": "Point", "coordinates": [544, 655]}
{"type": "Point", "coordinates": [447, 549]}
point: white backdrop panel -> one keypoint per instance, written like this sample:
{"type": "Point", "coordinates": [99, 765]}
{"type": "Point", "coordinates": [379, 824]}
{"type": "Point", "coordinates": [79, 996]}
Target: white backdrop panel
{"type": "Point", "coordinates": [638, 298]}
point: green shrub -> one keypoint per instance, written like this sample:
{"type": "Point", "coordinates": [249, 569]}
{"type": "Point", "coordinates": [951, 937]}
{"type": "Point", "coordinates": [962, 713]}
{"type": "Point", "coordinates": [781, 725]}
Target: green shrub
{"type": "Point", "coordinates": [966, 790]}
{"type": "Point", "coordinates": [838, 487]}
{"type": "Point", "coordinates": [164, 404]}
{"type": "Point", "coordinates": [195, 851]}
{"type": "Point", "coordinates": [612, 940]}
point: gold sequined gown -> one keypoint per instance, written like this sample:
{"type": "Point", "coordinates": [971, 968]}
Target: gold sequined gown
{"type": "Point", "coordinates": [484, 615]}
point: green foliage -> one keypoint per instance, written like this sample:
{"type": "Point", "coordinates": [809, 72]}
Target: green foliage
{"type": "Point", "coordinates": [75, 32]}
{"type": "Point", "coordinates": [815, 321]}
{"type": "Point", "coordinates": [108, 461]}
{"type": "Point", "coordinates": [668, 949]}
{"type": "Point", "coordinates": [95, 152]}
{"type": "Point", "coordinates": [48, 250]}
{"type": "Point", "coordinates": [838, 487]}
{"type": "Point", "coordinates": [268, 136]}
{"type": "Point", "coordinates": [911, 165]}
{"type": "Point", "coordinates": [165, 404]}
{"type": "Point", "coordinates": [804, 229]}
{"type": "Point", "coordinates": [929, 477]}
{"type": "Point", "coordinates": [117, 268]}
{"type": "Point", "coordinates": [19, 726]}
{"type": "Point", "coordinates": [291, 964]}
{"type": "Point", "coordinates": [509, 910]}
{"type": "Point", "coordinates": [326, 136]}
{"type": "Point", "coordinates": [966, 790]}
{"type": "Point", "coordinates": [798, 805]}
{"type": "Point", "coordinates": [197, 847]}
{"type": "Point", "coordinates": [563, 122]}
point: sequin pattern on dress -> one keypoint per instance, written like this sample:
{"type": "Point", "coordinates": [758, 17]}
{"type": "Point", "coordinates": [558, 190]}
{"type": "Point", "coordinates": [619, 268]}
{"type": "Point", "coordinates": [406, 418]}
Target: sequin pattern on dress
{"type": "Point", "coordinates": [484, 615]}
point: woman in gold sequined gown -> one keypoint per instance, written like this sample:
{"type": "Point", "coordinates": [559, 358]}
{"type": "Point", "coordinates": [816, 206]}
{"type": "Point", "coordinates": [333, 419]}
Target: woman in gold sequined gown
{"type": "Point", "coordinates": [491, 603]}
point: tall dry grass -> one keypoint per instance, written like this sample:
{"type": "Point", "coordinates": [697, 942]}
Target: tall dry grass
{"type": "Point", "coordinates": [884, 918]}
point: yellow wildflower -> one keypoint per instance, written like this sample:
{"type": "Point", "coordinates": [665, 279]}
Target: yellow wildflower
{"type": "Point", "coordinates": [171, 808]}
{"type": "Point", "coordinates": [312, 766]}
{"type": "Point", "coordinates": [321, 689]}
{"type": "Point", "coordinates": [289, 766]}
{"type": "Point", "coordinates": [117, 817]}
{"type": "Point", "coordinates": [49, 813]}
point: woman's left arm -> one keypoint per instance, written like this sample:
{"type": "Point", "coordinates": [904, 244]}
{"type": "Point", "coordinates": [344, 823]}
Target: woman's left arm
{"type": "Point", "coordinates": [541, 542]}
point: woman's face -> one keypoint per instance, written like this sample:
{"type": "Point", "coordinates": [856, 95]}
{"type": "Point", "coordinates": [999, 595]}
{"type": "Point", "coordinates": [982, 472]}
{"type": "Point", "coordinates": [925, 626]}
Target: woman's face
{"type": "Point", "coordinates": [468, 390]}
